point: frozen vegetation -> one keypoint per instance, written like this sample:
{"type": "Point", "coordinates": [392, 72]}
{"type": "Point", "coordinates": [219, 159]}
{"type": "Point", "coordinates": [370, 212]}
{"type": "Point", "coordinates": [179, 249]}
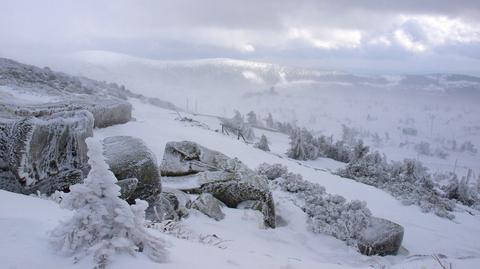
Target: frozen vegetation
{"type": "Point", "coordinates": [307, 209]}
{"type": "Point", "coordinates": [328, 214]}
{"type": "Point", "coordinates": [103, 224]}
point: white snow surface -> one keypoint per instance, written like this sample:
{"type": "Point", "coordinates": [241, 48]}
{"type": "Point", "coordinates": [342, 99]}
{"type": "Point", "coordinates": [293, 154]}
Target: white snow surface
{"type": "Point", "coordinates": [243, 242]}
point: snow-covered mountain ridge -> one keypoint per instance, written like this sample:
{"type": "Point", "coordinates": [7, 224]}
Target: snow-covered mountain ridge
{"type": "Point", "coordinates": [261, 74]}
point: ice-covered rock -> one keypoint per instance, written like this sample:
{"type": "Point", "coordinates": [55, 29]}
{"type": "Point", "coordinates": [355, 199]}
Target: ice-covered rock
{"type": "Point", "coordinates": [44, 153]}
{"type": "Point", "coordinates": [186, 157]}
{"type": "Point", "coordinates": [209, 205]}
{"type": "Point", "coordinates": [233, 192]}
{"type": "Point", "coordinates": [129, 157]}
{"type": "Point", "coordinates": [381, 237]}
{"type": "Point", "coordinates": [182, 198]}
{"type": "Point", "coordinates": [31, 91]}
{"type": "Point", "coordinates": [105, 111]}
{"type": "Point", "coordinates": [164, 207]}
{"type": "Point", "coordinates": [127, 187]}
{"type": "Point", "coordinates": [251, 204]}
{"type": "Point", "coordinates": [227, 179]}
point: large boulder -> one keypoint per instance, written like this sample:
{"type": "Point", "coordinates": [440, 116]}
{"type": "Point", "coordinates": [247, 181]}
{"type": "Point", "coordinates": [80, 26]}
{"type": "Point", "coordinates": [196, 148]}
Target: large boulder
{"type": "Point", "coordinates": [129, 157]}
{"type": "Point", "coordinates": [186, 157]}
{"type": "Point", "coordinates": [44, 153]}
{"type": "Point", "coordinates": [381, 237]}
{"type": "Point", "coordinates": [227, 179]}
{"type": "Point", "coordinates": [209, 205]}
{"type": "Point", "coordinates": [106, 112]}
{"type": "Point", "coordinates": [55, 92]}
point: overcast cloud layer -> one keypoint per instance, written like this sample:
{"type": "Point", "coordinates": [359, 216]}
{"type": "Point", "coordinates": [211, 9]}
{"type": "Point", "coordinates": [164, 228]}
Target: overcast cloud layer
{"type": "Point", "coordinates": [368, 36]}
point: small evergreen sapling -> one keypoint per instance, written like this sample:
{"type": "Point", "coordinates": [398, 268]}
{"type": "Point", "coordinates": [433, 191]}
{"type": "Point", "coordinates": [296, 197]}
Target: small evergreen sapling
{"type": "Point", "coordinates": [262, 144]}
{"type": "Point", "coordinates": [102, 223]}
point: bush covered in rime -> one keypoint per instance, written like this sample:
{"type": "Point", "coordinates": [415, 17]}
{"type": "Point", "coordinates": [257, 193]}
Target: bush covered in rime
{"type": "Point", "coordinates": [271, 171]}
{"type": "Point", "coordinates": [103, 224]}
{"type": "Point", "coordinates": [408, 181]}
{"type": "Point", "coordinates": [466, 190]}
{"type": "Point", "coordinates": [327, 214]}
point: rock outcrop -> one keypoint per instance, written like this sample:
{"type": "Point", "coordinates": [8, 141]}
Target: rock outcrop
{"type": "Point", "coordinates": [227, 179]}
{"type": "Point", "coordinates": [209, 205]}
{"type": "Point", "coordinates": [44, 153]}
{"type": "Point", "coordinates": [129, 157]}
{"type": "Point", "coordinates": [381, 237]}
{"type": "Point", "coordinates": [30, 91]}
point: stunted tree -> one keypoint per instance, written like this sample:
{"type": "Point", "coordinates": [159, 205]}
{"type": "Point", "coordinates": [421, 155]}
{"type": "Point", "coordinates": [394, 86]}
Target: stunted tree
{"type": "Point", "coordinates": [102, 223]}
{"type": "Point", "coordinates": [237, 126]}
{"type": "Point", "coordinates": [252, 118]}
{"type": "Point", "coordinates": [262, 144]}
{"type": "Point", "coordinates": [297, 149]}
{"type": "Point", "coordinates": [238, 118]}
{"type": "Point", "coordinates": [269, 121]}
{"type": "Point", "coordinates": [359, 150]}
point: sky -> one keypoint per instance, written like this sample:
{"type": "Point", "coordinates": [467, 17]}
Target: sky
{"type": "Point", "coordinates": [368, 36]}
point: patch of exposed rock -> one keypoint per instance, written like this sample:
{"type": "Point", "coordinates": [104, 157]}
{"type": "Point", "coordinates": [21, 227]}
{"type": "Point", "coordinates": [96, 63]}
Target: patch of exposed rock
{"type": "Point", "coordinates": [227, 179]}
{"type": "Point", "coordinates": [381, 237]}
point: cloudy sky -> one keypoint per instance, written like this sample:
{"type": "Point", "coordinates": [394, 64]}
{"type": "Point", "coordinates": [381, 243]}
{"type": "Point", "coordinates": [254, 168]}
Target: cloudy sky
{"type": "Point", "coordinates": [368, 36]}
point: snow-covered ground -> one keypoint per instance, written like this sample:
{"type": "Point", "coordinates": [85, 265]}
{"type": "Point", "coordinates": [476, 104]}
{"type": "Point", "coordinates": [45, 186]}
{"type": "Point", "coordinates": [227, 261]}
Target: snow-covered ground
{"type": "Point", "coordinates": [240, 241]}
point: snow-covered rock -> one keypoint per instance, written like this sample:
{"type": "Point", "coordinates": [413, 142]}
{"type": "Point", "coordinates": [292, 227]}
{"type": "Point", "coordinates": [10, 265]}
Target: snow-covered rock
{"type": "Point", "coordinates": [44, 153]}
{"type": "Point", "coordinates": [227, 179]}
{"type": "Point", "coordinates": [33, 91]}
{"type": "Point", "coordinates": [209, 205]}
{"type": "Point", "coordinates": [127, 187]}
{"type": "Point", "coordinates": [164, 207]}
{"type": "Point", "coordinates": [129, 157]}
{"type": "Point", "coordinates": [381, 237]}
{"type": "Point", "coordinates": [186, 157]}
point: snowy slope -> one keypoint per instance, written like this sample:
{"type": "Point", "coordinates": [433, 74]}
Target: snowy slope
{"type": "Point", "coordinates": [240, 240]}
{"type": "Point", "coordinates": [425, 233]}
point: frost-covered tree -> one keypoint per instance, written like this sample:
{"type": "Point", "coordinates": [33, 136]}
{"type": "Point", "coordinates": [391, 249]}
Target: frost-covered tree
{"type": "Point", "coordinates": [269, 121]}
{"type": "Point", "coordinates": [102, 223]}
{"type": "Point", "coordinates": [238, 126]}
{"type": "Point", "coordinates": [302, 145]}
{"type": "Point", "coordinates": [359, 150]}
{"type": "Point", "coordinates": [285, 128]}
{"type": "Point", "coordinates": [272, 171]}
{"type": "Point", "coordinates": [466, 190]}
{"type": "Point", "coordinates": [349, 134]}
{"type": "Point", "coordinates": [252, 118]}
{"type": "Point", "coordinates": [262, 144]}
{"type": "Point", "coordinates": [468, 147]}
{"type": "Point", "coordinates": [237, 118]}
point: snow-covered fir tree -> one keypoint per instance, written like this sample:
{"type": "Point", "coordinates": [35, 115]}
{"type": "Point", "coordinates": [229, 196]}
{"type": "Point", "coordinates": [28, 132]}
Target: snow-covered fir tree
{"type": "Point", "coordinates": [302, 145]}
{"type": "Point", "coordinates": [269, 121]}
{"type": "Point", "coordinates": [252, 118]}
{"type": "Point", "coordinates": [262, 144]}
{"type": "Point", "coordinates": [297, 149]}
{"type": "Point", "coordinates": [102, 223]}
{"type": "Point", "coordinates": [237, 125]}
